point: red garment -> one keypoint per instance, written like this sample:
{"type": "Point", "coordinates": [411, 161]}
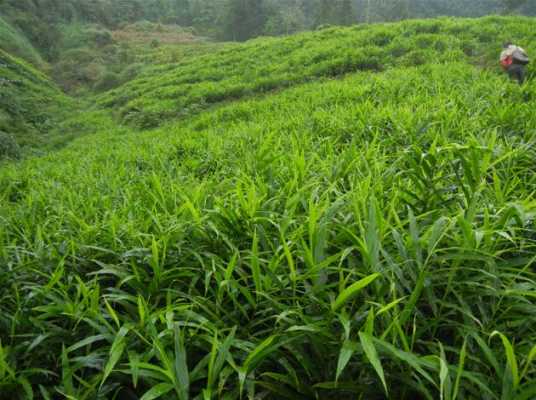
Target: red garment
{"type": "Point", "coordinates": [506, 62]}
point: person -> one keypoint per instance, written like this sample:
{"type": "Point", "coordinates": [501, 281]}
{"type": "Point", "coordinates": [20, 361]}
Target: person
{"type": "Point", "coordinates": [514, 60]}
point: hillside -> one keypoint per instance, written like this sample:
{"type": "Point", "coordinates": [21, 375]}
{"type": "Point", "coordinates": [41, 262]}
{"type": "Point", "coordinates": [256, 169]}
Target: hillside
{"type": "Point", "coordinates": [35, 113]}
{"type": "Point", "coordinates": [15, 43]}
{"type": "Point", "coordinates": [92, 58]}
{"type": "Point", "coordinates": [263, 65]}
{"type": "Point", "coordinates": [30, 105]}
{"type": "Point", "coordinates": [300, 222]}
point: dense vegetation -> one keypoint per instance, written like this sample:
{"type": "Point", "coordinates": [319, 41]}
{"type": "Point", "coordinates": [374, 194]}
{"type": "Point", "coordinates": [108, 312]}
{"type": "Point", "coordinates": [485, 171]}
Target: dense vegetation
{"type": "Point", "coordinates": [95, 59]}
{"type": "Point", "coordinates": [232, 19]}
{"type": "Point", "coordinates": [260, 66]}
{"type": "Point", "coordinates": [30, 105]}
{"type": "Point", "coordinates": [368, 236]}
{"type": "Point", "coordinates": [16, 44]}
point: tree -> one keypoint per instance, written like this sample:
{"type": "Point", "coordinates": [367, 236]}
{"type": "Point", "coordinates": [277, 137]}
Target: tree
{"type": "Point", "coordinates": [244, 19]}
{"type": "Point", "coordinates": [324, 15]}
{"type": "Point", "coordinates": [513, 5]}
{"type": "Point", "coordinates": [183, 12]}
{"type": "Point", "coordinates": [345, 12]}
{"type": "Point", "coordinates": [128, 11]}
{"type": "Point", "coordinates": [284, 17]}
{"type": "Point", "coordinates": [399, 10]}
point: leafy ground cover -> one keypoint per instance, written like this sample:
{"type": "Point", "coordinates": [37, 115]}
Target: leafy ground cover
{"type": "Point", "coordinates": [370, 236]}
{"type": "Point", "coordinates": [16, 44]}
{"type": "Point", "coordinates": [30, 105]}
{"type": "Point", "coordinates": [263, 65]}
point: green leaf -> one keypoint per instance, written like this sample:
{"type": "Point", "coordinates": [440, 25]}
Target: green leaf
{"type": "Point", "coordinates": [27, 387]}
{"type": "Point", "coordinates": [459, 373]}
{"type": "Point", "coordinates": [372, 239]}
{"type": "Point", "coordinates": [256, 357]}
{"type": "Point", "coordinates": [352, 291]}
{"type": "Point", "coordinates": [526, 392]}
{"type": "Point", "coordinates": [444, 376]}
{"type": "Point", "coordinates": [488, 353]}
{"type": "Point", "coordinates": [408, 358]}
{"type": "Point", "coordinates": [347, 350]}
{"type": "Point", "coordinates": [182, 377]}
{"type": "Point", "coordinates": [260, 352]}
{"type": "Point", "coordinates": [414, 233]}
{"type": "Point", "coordinates": [387, 307]}
{"type": "Point", "coordinates": [66, 372]}
{"type": "Point", "coordinates": [290, 259]}
{"type": "Point", "coordinates": [141, 309]}
{"type": "Point", "coordinates": [87, 341]}
{"type": "Point", "coordinates": [134, 360]}
{"type": "Point", "coordinates": [44, 393]}
{"type": "Point", "coordinates": [372, 355]}
{"type": "Point", "coordinates": [531, 357]}
{"type": "Point", "coordinates": [415, 295]}
{"type": "Point", "coordinates": [157, 391]}
{"type": "Point", "coordinates": [112, 313]}
{"type": "Point", "coordinates": [369, 323]}
{"type": "Point", "coordinates": [255, 268]}
{"type": "Point", "coordinates": [438, 231]}
{"type": "Point", "coordinates": [510, 357]}
{"type": "Point", "coordinates": [218, 356]}
{"type": "Point", "coordinates": [116, 351]}
{"type": "Point", "coordinates": [231, 267]}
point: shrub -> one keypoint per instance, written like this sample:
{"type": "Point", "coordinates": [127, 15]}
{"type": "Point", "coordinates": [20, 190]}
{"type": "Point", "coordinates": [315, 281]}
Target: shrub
{"type": "Point", "coordinates": [469, 48]}
{"type": "Point", "coordinates": [415, 58]}
{"type": "Point", "coordinates": [108, 80]}
{"type": "Point", "coordinates": [77, 35]}
{"type": "Point", "coordinates": [424, 41]}
{"type": "Point", "coordinates": [130, 72]}
{"type": "Point", "coordinates": [81, 55]}
{"type": "Point", "coordinates": [428, 27]}
{"type": "Point", "coordinates": [78, 67]}
{"type": "Point", "coordinates": [101, 37]}
{"type": "Point", "coordinates": [399, 47]}
{"type": "Point", "coordinates": [15, 43]}
{"type": "Point", "coordinates": [8, 146]}
{"type": "Point", "coordinates": [381, 39]}
{"type": "Point", "coordinates": [324, 27]}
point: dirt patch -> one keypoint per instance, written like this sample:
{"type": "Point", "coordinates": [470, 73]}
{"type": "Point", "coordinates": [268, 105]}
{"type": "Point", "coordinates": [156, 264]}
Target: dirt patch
{"type": "Point", "coordinates": [161, 34]}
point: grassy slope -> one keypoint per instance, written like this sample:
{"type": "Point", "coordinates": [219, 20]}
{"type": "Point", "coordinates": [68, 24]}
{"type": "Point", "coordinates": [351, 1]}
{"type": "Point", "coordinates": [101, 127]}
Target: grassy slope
{"type": "Point", "coordinates": [30, 103]}
{"type": "Point", "coordinates": [227, 237]}
{"type": "Point", "coordinates": [93, 58]}
{"type": "Point", "coordinates": [262, 65]}
{"type": "Point", "coordinates": [16, 44]}
{"type": "Point", "coordinates": [34, 113]}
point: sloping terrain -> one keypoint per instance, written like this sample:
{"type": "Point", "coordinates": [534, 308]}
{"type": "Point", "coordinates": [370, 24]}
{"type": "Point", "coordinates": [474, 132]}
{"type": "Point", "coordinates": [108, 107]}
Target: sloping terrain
{"type": "Point", "coordinates": [174, 91]}
{"type": "Point", "coordinates": [14, 42]}
{"type": "Point", "coordinates": [30, 105]}
{"type": "Point", "coordinates": [92, 58]}
{"type": "Point", "coordinates": [370, 236]}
